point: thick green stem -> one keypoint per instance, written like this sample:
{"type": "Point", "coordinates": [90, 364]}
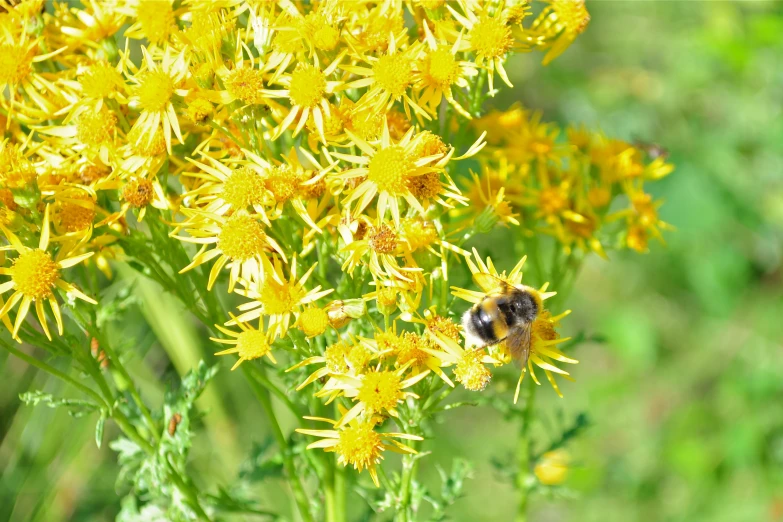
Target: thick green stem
{"type": "Point", "coordinates": [409, 466]}
{"type": "Point", "coordinates": [523, 453]}
{"type": "Point", "coordinates": [288, 458]}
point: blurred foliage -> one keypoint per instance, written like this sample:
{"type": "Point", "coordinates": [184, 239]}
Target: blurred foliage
{"type": "Point", "coordinates": [684, 394]}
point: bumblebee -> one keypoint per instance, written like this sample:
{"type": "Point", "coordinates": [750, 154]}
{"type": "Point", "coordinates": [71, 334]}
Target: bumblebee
{"type": "Point", "coordinates": [506, 313]}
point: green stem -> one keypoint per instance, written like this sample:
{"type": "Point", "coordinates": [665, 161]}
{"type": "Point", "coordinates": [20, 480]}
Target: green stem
{"type": "Point", "coordinates": [409, 465]}
{"type": "Point", "coordinates": [32, 361]}
{"type": "Point", "coordinates": [188, 491]}
{"type": "Point", "coordinates": [523, 453]}
{"type": "Point", "coordinates": [288, 459]}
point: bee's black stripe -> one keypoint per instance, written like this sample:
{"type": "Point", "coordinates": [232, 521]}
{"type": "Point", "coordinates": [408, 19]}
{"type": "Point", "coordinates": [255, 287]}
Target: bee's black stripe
{"type": "Point", "coordinates": [482, 325]}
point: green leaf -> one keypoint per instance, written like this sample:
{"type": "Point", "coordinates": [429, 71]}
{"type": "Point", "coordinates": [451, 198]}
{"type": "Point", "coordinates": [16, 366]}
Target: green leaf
{"type": "Point", "coordinates": [76, 407]}
{"type": "Point", "coordinates": [99, 428]}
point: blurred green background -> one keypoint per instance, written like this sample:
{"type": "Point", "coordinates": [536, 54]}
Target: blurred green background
{"type": "Point", "coordinates": [686, 393]}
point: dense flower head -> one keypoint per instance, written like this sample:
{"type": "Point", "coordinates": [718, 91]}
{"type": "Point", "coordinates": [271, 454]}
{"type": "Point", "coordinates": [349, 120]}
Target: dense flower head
{"type": "Point", "coordinates": [326, 164]}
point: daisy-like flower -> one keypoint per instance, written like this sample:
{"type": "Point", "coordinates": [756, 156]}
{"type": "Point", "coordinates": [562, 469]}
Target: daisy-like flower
{"type": "Point", "coordinates": [278, 297]}
{"type": "Point", "coordinates": [410, 350]}
{"type": "Point", "coordinates": [136, 193]}
{"type": "Point", "coordinates": [249, 343]}
{"type": "Point", "coordinates": [558, 25]}
{"type": "Point", "coordinates": [240, 244]}
{"type": "Point", "coordinates": [307, 88]}
{"type": "Point", "coordinates": [154, 20]}
{"type": "Point", "coordinates": [469, 363]}
{"type": "Point", "coordinates": [34, 276]}
{"type": "Point", "coordinates": [489, 203]}
{"type": "Point", "coordinates": [340, 358]}
{"type": "Point", "coordinates": [381, 242]}
{"type": "Point", "coordinates": [156, 85]}
{"type": "Point", "coordinates": [437, 70]}
{"type": "Point", "coordinates": [388, 79]}
{"type": "Point", "coordinates": [358, 444]}
{"type": "Point", "coordinates": [387, 171]}
{"type": "Point", "coordinates": [375, 392]}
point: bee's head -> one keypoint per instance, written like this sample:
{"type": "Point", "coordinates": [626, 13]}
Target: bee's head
{"type": "Point", "coordinates": [523, 306]}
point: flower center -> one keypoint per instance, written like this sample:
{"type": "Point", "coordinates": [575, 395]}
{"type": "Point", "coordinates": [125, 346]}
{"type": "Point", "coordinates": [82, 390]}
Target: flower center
{"type": "Point", "coordinates": [96, 127]}
{"type": "Point", "coordinates": [242, 188]}
{"type": "Point", "coordinates": [15, 64]}
{"type": "Point", "coordinates": [100, 81]}
{"type": "Point", "coordinates": [156, 19]}
{"type": "Point", "coordinates": [490, 37]}
{"type": "Point", "coordinates": [551, 201]}
{"type": "Point", "coordinates": [445, 326]}
{"type": "Point", "coordinates": [283, 183]}
{"type": "Point", "coordinates": [137, 139]}
{"type": "Point", "coordinates": [335, 357]}
{"type": "Point", "coordinates": [383, 240]}
{"type": "Point", "coordinates": [242, 238]}
{"type": "Point", "coordinates": [471, 372]}
{"type": "Point", "coordinates": [280, 299]}
{"type": "Point", "coordinates": [380, 391]}
{"type": "Point", "coordinates": [308, 85]}
{"type": "Point", "coordinates": [75, 216]}
{"type": "Point", "coordinates": [418, 233]}
{"type": "Point", "coordinates": [359, 446]}
{"type": "Point", "coordinates": [411, 350]}
{"type": "Point", "coordinates": [138, 192]}
{"type": "Point", "coordinates": [35, 274]}
{"type": "Point", "coordinates": [440, 67]}
{"type": "Point", "coordinates": [252, 344]}
{"type": "Point", "coordinates": [313, 321]}
{"type": "Point", "coordinates": [388, 169]}
{"type": "Point", "coordinates": [393, 73]}
{"type": "Point", "coordinates": [245, 84]}
{"type": "Point", "coordinates": [426, 186]}
{"type": "Point", "coordinates": [573, 14]}
{"type": "Point", "coordinates": [155, 91]}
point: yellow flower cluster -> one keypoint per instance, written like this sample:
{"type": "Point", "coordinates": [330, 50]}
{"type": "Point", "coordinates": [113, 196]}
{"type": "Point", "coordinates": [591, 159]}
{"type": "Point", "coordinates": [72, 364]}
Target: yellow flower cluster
{"type": "Point", "coordinates": [298, 151]}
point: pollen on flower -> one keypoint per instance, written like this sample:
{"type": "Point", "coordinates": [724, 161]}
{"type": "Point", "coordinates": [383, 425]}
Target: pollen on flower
{"type": "Point", "coordinates": [242, 188]}
{"type": "Point", "coordinates": [429, 144]}
{"type": "Point", "coordinates": [388, 169]}
{"type": "Point", "coordinates": [381, 391]}
{"type": "Point", "coordinates": [359, 445]}
{"type": "Point", "coordinates": [410, 350]}
{"type": "Point", "coordinates": [245, 84]}
{"type": "Point", "coordinates": [366, 124]}
{"type": "Point", "coordinates": [387, 298]}
{"type": "Point", "coordinates": [426, 186]}
{"type": "Point", "coordinates": [156, 18]}
{"type": "Point", "coordinates": [313, 190]}
{"type": "Point", "coordinates": [308, 85]}
{"type": "Point", "coordinates": [138, 192]}
{"type": "Point", "coordinates": [419, 233]}
{"type": "Point", "coordinates": [491, 37]}
{"type": "Point", "coordinates": [544, 327]}
{"type": "Point", "coordinates": [440, 67]}
{"type": "Point", "coordinates": [242, 238]}
{"type": "Point", "coordinates": [279, 298]}
{"type": "Point", "coordinates": [335, 357]}
{"type": "Point", "coordinates": [283, 183]}
{"type": "Point", "coordinates": [100, 81]}
{"type": "Point", "coordinates": [252, 344]}
{"type": "Point", "coordinates": [358, 358]}
{"type": "Point", "coordinates": [15, 64]}
{"type": "Point", "coordinates": [326, 38]}
{"type": "Point", "coordinates": [445, 326]}
{"type": "Point", "coordinates": [34, 274]}
{"type": "Point", "coordinates": [75, 216]}
{"type": "Point", "coordinates": [313, 321]}
{"type": "Point", "coordinates": [471, 372]}
{"type": "Point", "coordinates": [393, 73]}
{"type": "Point", "coordinates": [96, 127]}
{"type": "Point", "coordinates": [383, 239]}
{"type": "Point", "coordinates": [573, 14]}
{"type": "Point", "coordinates": [155, 90]}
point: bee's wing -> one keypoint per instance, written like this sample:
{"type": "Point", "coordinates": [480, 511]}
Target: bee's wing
{"type": "Point", "coordinates": [518, 343]}
{"type": "Point", "coordinates": [489, 283]}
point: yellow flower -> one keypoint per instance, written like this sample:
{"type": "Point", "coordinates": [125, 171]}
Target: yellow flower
{"type": "Point", "coordinates": [34, 276]}
{"type": "Point", "coordinates": [249, 343]}
{"type": "Point", "coordinates": [387, 171]}
{"type": "Point", "coordinates": [558, 25]}
{"type": "Point", "coordinates": [553, 467]}
{"type": "Point", "coordinates": [154, 20]}
{"type": "Point", "coordinates": [313, 321]}
{"type": "Point", "coordinates": [469, 369]}
{"type": "Point", "coordinates": [277, 297]}
{"type": "Point", "coordinates": [307, 90]}
{"type": "Point", "coordinates": [358, 444]}
{"type": "Point", "coordinates": [381, 244]}
{"type": "Point", "coordinates": [340, 358]}
{"type": "Point", "coordinates": [375, 392]}
{"type": "Point", "coordinates": [156, 85]}
{"type": "Point", "coordinates": [240, 244]}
